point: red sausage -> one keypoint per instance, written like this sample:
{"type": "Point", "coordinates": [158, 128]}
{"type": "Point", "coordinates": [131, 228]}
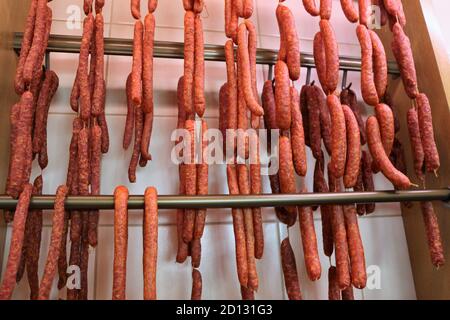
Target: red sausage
{"type": "Point", "coordinates": [353, 148]}
{"type": "Point", "coordinates": [297, 135]}
{"type": "Point", "coordinates": [150, 243]}
{"type": "Point", "coordinates": [331, 55]}
{"type": "Point", "coordinates": [416, 142]}
{"type": "Point", "coordinates": [368, 88]}
{"type": "Point", "coordinates": [282, 96]}
{"type": "Point", "coordinates": [136, 73]}
{"type": "Point", "coordinates": [290, 274]}
{"type": "Point", "coordinates": [433, 234]}
{"type": "Point", "coordinates": [120, 242]}
{"type": "Point", "coordinates": [349, 10]}
{"type": "Point", "coordinates": [338, 133]}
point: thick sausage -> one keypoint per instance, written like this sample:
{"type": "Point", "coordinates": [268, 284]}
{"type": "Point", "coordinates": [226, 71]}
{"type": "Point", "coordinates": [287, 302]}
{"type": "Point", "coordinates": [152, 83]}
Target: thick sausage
{"type": "Point", "coordinates": [199, 69]}
{"type": "Point", "coordinates": [416, 142]}
{"type": "Point", "coordinates": [432, 161]}
{"type": "Point", "coordinates": [331, 55]}
{"type": "Point", "coordinates": [309, 242]}
{"type": "Point", "coordinates": [380, 69]}
{"type": "Point", "coordinates": [239, 228]}
{"type": "Point", "coordinates": [55, 244]}
{"type": "Point", "coordinates": [136, 72]}
{"type": "Point", "coordinates": [282, 96]}
{"type": "Point", "coordinates": [311, 7]}
{"type": "Point", "coordinates": [364, 12]}
{"type": "Point", "coordinates": [120, 242]}
{"type": "Point", "coordinates": [320, 61]}
{"type": "Point", "coordinates": [338, 133]}
{"type": "Point", "coordinates": [398, 179]}
{"type": "Point", "coordinates": [297, 135]}
{"type": "Point", "coordinates": [355, 248]}
{"type": "Point", "coordinates": [325, 9]}
{"type": "Point", "coordinates": [191, 182]}
{"type": "Point", "coordinates": [286, 25]}
{"type": "Point", "coordinates": [368, 88]}
{"type": "Point", "coordinates": [196, 285]}
{"type": "Point", "coordinates": [349, 10]}
{"type": "Point", "coordinates": [129, 123]}
{"type": "Point", "coordinates": [150, 243]}
{"type": "Point", "coordinates": [247, 9]}
{"type": "Point", "coordinates": [353, 148]}
{"type": "Point", "coordinates": [315, 133]}
{"type": "Point", "coordinates": [385, 119]}
{"type": "Point", "coordinates": [401, 48]}
{"type": "Point", "coordinates": [136, 9]}
{"type": "Point", "coordinates": [433, 234]}
{"type": "Point", "coordinates": [290, 274]}
{"type": "Point", "coordinates": [15, 251]}
{"type": "Point", "coordinates": [189, 60]}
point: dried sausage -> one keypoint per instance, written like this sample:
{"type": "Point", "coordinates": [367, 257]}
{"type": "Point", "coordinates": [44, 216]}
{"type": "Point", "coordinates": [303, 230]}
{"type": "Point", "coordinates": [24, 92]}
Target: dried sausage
{"type": "Point", "coordinates": [138, 127]}
{"type": "Point", "coordinates": [385, 119]}
{"type": "Point", "coordinates": [224, 98]}
{"type": "Point", "coordinates": [364, 12]}
{"type": "Point", "coordinates": [152, 4]}
{"type": "Point", "coordinates": [120, 242]}
{"type": "Point", "coordinates": [198, 6]}
{"type": "Point", "coordinates": [202, 183]}
{"type": "Point", "coordinates": [99, 4]}
{"type": "Point", "coordinates": [199, 68]}
{"type": "Point", "coordinates": [297, 135]}
{"type": "Point", "coordinates": [55, 244]}
{"type": "Point", "coordinates": [398, 179]}
{"type": "Point", "coordinates": [150, 243]}
{"type": "Point", "coordinates": [256, 188]}
{"type": "Point", "coordinates": [380, 69]}
{"type": "Point", "coordinates": [433, 234]}
{"type": "Point", "coordinates": [353, 148]}
{"type": "Point", "coordinates": [432, 161]}
{"type": "Point", "coordinates": [347, 293]}
{"type": "Point", "coordinates": [311, 8]}
{"type": "Point", "coordinates": [331, 55]}
{"type": "Point", "coordinates": [289, 266]}
{"type": "Point", "coordinates": [338, 132]}
{"type": "Point", "coordinates": [96, 154]}
{"type": "Point", "coordinates": [196, 285]}
{"type": "Point", "coordinates": [232, 86]}
{"type": "Point", "coordinates": [182, 251]}
{"type": "Point", "coordinates": [286, 169]}
{"type": "Point", "coordinates": [315, 134]}
{"type": "Point", "coordinates": [286, 24]}
{"type": "Point", "coordinates": [97, 97]}
{"type": "Point", "coordinates": [334, 291]}
{"type": "Point", "coordinates": [247, 9]}
{"type": "Point", "coordinates": [348, 97]}
{"type": "Point", "coordinates": [368, 88]}
{"type": "Point", "coordinates": [189, 60]}
{"type": "Point", "coordinates": [325, 119]}
{"type": "Point", "coordinates": [191, 182]}
{"type": "Point", "coordinates": [325, 9]}
{"type": "Point", "coordinates": [349, 10]}
{"type": "Point", "coordinates": [367, 178]}
{"type": "Point", "coordinates": [416, 142]}
{"type": "Point", "coordinates": [188, 5]}
{"type": "Point", "coordinates": [129, 123]}
{"type": "Point", "coordinates": [282, 96]}
{"type": "Point", "coordinates": [83, 75]}
{"type": "Point", "coordinates": [136, 72]}
{"type": "Point", "coordinates": [136, 9]}
{"type": "Point", "coordinates": [320, 61]}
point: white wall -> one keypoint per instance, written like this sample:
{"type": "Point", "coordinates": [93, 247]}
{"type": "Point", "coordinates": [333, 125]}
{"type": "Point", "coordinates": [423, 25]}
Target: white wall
{"type": "Point", "coordinates": [382, 232]}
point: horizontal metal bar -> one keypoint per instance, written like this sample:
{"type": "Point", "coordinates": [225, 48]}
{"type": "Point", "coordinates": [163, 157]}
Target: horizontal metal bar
{"type": "Point", "coordinates": [175, 50]}
{"type": "Point", "coordinates": [227, 201]}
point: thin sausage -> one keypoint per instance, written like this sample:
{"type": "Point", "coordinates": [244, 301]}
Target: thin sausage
{"type": "Point", "coordinates": [191, 183]}
{"type": "Point", "coordinates": [138, 127]}
{"type": "Point", "coordinates": [136, 73]}
{"type": "Point", "coordinates": [380, 68]}
{"type": "Point", "coordinates": [97, 97]}
{"type": "Point", "coordinates": [202, 183]}
{"type": "Point", "coordinates": [189, 60]}
{"type": "Point", "coordinates": [398, 179]}
{"type": "Point", "coordinates": [348, 97]}
{"type": "Point", "coordinates": [433, 234]}
{"type": "Point", "coordinates": [339, 143]}
{"type": "Point", "coordinates": [196, 285]}
{"type": "Point", "coordinates": [232, 86]}
{"type": "Point", "coordinates": [152, 4]}
{"type": "Point", "coordinates": [256, 188]}
{"type": "Point", "coordinates": [325, 119]}
{"type": "Point", "coordinates": [359, 187]}
{"type": "Point", "coordinates": [150, 243]}
{"type": "Point", "coordinates": [183, 248]}
{"type": "Point", "coordinates": [297, 135]}
{"type": "Point", "coordinates": [129, 123]}
{"type": "Point", "coordinates": [286, 169]}
{"type": "Point", "coordinates": [334, 292]}
{"type": "Point", "coordinates": [416, 142]}
{"type": "Point", "coordinates": [15, 251]}
{"type": "Point", "coordinates": [136, 9]}
{"type": "Point", "coordinates": [228, 10]}
{"type": "Point", "coordinates": [55, 244]}
{"type": "Point", "coordinates": [96, 154]}
{"type": "Point", "coordinates": [347, 293]}
{"type": "Point", "coordinates": [349, 10]}
{"type": "Point", "coordinates": [304, 111]}
{"type": "Point", "coordinates": [290, 274]}
{"type": "Point", "coordinates": [120, 242]}
{"type": "Point", "coordinates": [385, 119]}
{"type": "Point", "coordinates": [105, 132]}
{"type": "Point", "coordinates": [199, 68]}
{"type": "Point", "coordinates": [311, 8]}
{"type": "Point", "coordinates": [282, 96]}
{"type": "Point", "coordinates": [353, 148]}
{"type": "Point", "coordinates": [432, 161]}
{"type": "Point", "coordinates": [368, 88]}
{"type": "Point", "coordinates": [331, 55]}
{"type": "Point", "coordinates": [364, 12]}
{"type": "Point", "coordinates": [355, 248]}
{"type": "Point", "coordinates": [83, 75]}
{"type": "Point", "coordinates": [224, 98]}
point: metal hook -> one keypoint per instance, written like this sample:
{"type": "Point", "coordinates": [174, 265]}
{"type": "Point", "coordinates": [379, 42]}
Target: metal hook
{"type": "Point", "coordinates": [308, 75]}
{"type": "Point", "coordinates": [344, 79]}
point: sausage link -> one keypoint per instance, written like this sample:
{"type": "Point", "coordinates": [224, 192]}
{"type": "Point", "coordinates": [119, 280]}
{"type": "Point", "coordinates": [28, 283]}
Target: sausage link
{"type": "Point", "coordinates": [97, 97]}
{"type": "Point", "coordinates": [433, 234]}
{"type": "Point", "coordinates": [136, 9]}
{"type": "Point", "coordinates": [338, 132]}
{"type": "Point", "coordinates": [138, 127]}
{"type": "Point", "coordinates": [83, 162]}
{"type": "Point", "coordinates": [244, 63]}
{"type": "Point", "coordinates": [401, 48]}
{"type": "Point", "coordinates": [297, 135]}
{"type": "Point", "coordinates": [228, 11]}
{"type": "Point", "coordinates": [75, 93]}
{"type": "Point", "coordinates": [247, 294]}
{"type": "Point", "coordinates": [353, 148]}
{"type": "Point", "coordinates": [129, 124]}
{"type": "Point", "coordinates": [120, 242]}
{"type": "Point", "coordinates": [195, 247]}
{"type": "Point", "coordinates": [380, 68]}
{"type": "Point", "coordinates": [96, 154]}
{"type": "Point", "coordinates": [347, 293]}
{"type": "Point", "coordinates": [182, 251]}
{"type": "Point", "coordinates": [359, 187]}
{"type": "Point", "coordinates": [83, 74]}
{"type": "Point", "coordinates": [199, 69]}
{"type": "Point", "coordinates": [398, 179]}
{"type": "Point", "coordinates": [290, 274]}
{"type": "Point", "coordinates": [239, 228]}
{"type": "Point", "coordinates": [269, 106]}
{"type": "Point", "coordinates": [385, 118]}
{"type": "Point", "coordinates": [355, 248]}
{"type": "Point", "coordinates": [84, 259]}
{"type": "Point", "coordinates": [325, 120]}
{"type": "Point", "coordinates": [256, 188]}
{"type": "Point", "coordinates": [304, 111]}
{"type": "Point", "coordinates": [315, 133]}
{"type": "Point", "coordinates": [224, 105]}
{"type": "Point", "coordinates": [286, 25]}
{"type": "Point", "coordinates": [334, 291]}
{"type": "Point", "coordinates": [87, 6]}
{"type": "Point", "coordinates": [311, 8]}
{"type": "Point", "coordinates": [55, 244]}
{"type": "Point", "coordinates": [232, 86]}
{"type": "Point", "coordinates": [247, 9]}
{"type": "Point", "coordinates": [286, 170]}
{"type": "Point", "coordinates": [189, 60]}
{"type": "Point", "coordinates": [244, 189]}
{"type": "Point", "coordinates": [320, 61]}
{"type": "Point", "coordinates": [282, 96]}
{"type": "Point", "coordinates": [105, 132]}
{"type": "Point", "coordinates": [99, 4]}
{"type": "Point", "coordinates": [15, 248]}
{"type": "Point", "coordinates": [325, 210]}
{"type": "Point", "coordinates": [198, 6]}
{"type": "Point", "coordinates": [196, 285]}
{"type": "Point", "coordinates": [191, 183]}
{"type": "Point", "coordinates": [432, 161]}
{"type": "Point", "coordinates": [150, 243]}
{"type": "Point", "coordinates": [364, 12]}
{"type": "Point", "coordinates": [367, 177]}
{"type": "Point", "coordinates": [202, 183]}
{"type": "Point", "coordinates": [136, 73]}
{"type": "Point", "coordinates": [62, 258]}
{"type": "Point", "coordinates": [416, 142]}
{"type": "Point", "coordinates": [349, 10]}
{"type": "Point", "coordinates": [25, 48]}
{"type": "Point", "coordinates": [188, 5]}
{"type": "Point", "coordinates": [331, 55]}
{"type": "Point", "coordinates": [152, 4]}
{"type": "Point", "coordinates": [38, 43]}
{"type": "Point", "coordinates": [74, 260]}
{"type": "Point", "coordinates": [368, 88]}
{"type": "Point", "coordinates": [309, 242]}
{"type": "Point", "coordinates": [325, 9]}
{"type": "Point", "coordinates": [348, 97]}
{"type": "Point", "coordinates": [252, 47]}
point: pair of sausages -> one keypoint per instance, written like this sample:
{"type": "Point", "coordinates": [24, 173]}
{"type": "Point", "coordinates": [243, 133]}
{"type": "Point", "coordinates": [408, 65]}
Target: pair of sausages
{"type": "Point", "coordinates": [135, 6]}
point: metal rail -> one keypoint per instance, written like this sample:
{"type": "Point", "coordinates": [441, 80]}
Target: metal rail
{"type": "Point", "coordinates": [227, 201]}
{"type": "Point", "coordinates": [175, 50]}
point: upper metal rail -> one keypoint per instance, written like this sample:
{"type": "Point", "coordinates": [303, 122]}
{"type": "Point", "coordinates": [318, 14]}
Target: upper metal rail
{"type": "Point", "coordinates": [228, 201]}
{"type": "Point", "coordinates": [175, 50]}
